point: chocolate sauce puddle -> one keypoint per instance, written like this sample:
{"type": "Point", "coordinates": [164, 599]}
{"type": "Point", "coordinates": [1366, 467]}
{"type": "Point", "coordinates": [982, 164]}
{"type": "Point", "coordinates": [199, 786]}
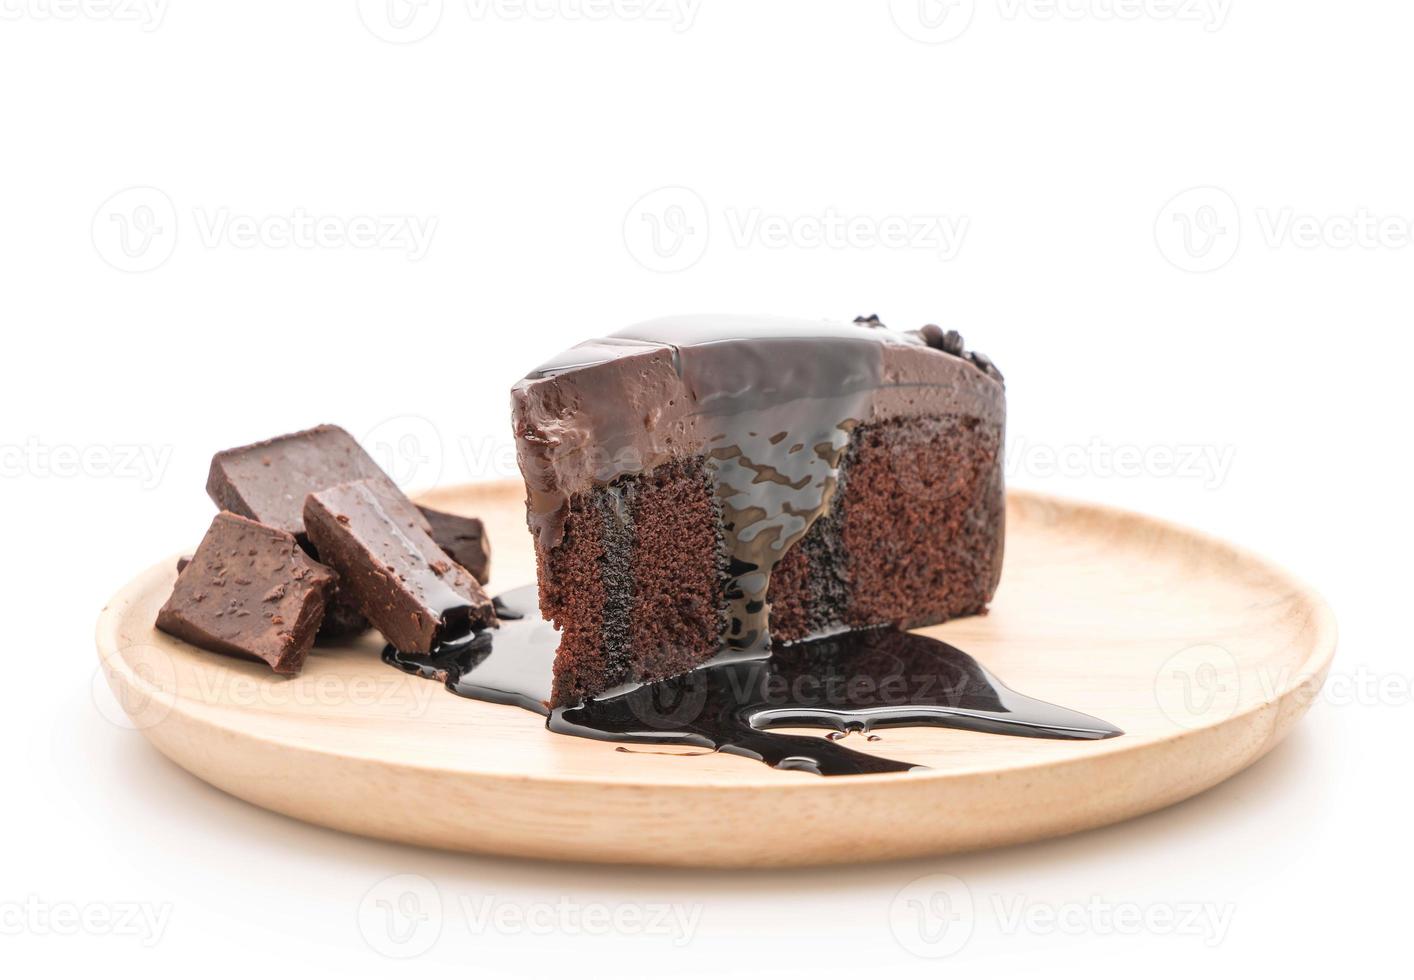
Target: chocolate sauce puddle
{"type": "Point", "coordinates": [847, 683]}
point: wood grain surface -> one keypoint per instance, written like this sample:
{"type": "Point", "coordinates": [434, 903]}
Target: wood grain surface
{"type": "Point", "coordinates": [1205, 655]}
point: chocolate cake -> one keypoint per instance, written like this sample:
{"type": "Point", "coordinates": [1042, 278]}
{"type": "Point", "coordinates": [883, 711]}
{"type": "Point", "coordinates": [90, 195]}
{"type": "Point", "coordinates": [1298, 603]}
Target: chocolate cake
{"type": "Point", "coordinates": [702, 484]}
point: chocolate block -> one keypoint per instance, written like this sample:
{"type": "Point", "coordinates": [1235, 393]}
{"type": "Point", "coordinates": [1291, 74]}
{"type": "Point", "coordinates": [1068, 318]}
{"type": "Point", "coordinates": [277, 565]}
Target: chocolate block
{"type": "Point", "coordinates": [268, 481]}
{"type": "Point", "coordinates": [407, 586]}
{"type": "Point", "coordinates": [250, 590]}
{"type": "Point", "coordinates": [464, 539]}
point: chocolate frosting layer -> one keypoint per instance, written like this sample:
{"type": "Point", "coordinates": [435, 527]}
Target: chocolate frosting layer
{"type": "Point", "coordinates": [771, 401]}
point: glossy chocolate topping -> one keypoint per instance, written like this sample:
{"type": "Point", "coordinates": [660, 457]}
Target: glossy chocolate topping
{"type": "Point", "coordinates": [771, 403]}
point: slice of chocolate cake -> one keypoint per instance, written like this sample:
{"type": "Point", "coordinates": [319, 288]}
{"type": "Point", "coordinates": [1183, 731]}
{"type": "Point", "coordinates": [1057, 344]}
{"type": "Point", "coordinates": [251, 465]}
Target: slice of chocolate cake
{"type": "Point", "coordinates": [703, 483]}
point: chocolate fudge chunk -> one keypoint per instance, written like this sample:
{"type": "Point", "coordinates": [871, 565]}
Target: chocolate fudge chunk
{"type": "Point", "coordinates": [464, 539]}
{"type": "Point", "coordinates": [250, 590]}
{"type": "Point", "coordinates": [268, 481]}
{"type": "Point", "coordinates": [407, 586]}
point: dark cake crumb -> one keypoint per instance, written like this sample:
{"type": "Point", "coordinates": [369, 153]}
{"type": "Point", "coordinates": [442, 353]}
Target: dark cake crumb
{"type": "Point", "coordinates": [922, 522]}
{"type": "Point", "coordinates": [678, 572]}
{"type": "Point", "coordinates": [573, 594]}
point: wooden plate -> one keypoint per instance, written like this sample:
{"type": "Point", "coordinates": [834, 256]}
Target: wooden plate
{"type": "Point", "coordinates": [1204, 655]}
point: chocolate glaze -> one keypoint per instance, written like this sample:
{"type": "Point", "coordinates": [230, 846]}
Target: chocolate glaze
{"type": "Point", "coordinates": [770, 402]}
{"type": "Point", "coordinates": [851, 682]}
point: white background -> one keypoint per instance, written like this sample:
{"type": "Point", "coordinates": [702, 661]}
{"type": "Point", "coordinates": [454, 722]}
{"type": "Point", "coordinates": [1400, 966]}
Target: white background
{"type": "Point", "coordinates": [1006, 169]}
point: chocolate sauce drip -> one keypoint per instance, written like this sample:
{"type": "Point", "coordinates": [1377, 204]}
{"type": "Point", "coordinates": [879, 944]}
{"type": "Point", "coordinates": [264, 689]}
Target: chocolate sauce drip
{"type": "Point", "coordinates": [851, 682]}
